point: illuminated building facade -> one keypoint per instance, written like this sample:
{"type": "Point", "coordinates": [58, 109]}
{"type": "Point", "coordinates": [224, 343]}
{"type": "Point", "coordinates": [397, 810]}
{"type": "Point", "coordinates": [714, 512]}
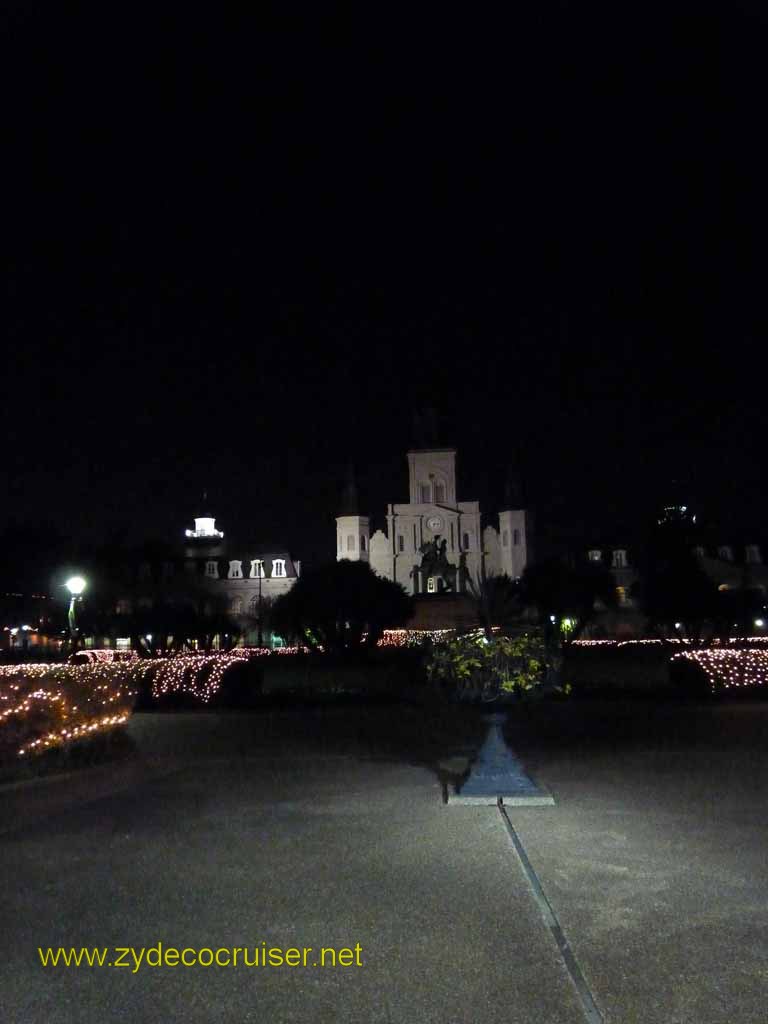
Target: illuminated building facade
{"type": "Point", "coordinates": [434, 543]}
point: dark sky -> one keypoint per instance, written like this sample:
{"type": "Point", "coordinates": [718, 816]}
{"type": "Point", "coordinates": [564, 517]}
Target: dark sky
{"type": "Point", "coordinates": [239, 252]}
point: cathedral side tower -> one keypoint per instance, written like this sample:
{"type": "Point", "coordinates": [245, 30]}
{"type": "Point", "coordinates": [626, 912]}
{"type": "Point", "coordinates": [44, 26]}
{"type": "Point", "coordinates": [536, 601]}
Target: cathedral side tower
{"type": "Point", "coordinates": [352, 529]}
{"type": "Point", "coordinates": [513, 541]}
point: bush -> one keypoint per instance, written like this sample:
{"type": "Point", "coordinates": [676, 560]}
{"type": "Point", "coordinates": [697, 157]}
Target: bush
{"type": "Point", "coordinates": [475, 668]}
{"type": "Point", "coordinates": [48, 706]}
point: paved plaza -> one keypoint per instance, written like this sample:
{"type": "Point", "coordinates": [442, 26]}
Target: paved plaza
{"type": "Point", "coordinates": [327, 829]}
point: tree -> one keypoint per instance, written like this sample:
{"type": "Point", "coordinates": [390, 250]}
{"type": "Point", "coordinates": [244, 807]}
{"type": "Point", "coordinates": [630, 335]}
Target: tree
{"type": "Point", "coordinates": [673, 587]}
{"type": "Point", "coordinates": [498, 600]}
{"type": "Point", "coordinates": [334, 606]}
{"type": "Point", "coordinates": [566, 594]}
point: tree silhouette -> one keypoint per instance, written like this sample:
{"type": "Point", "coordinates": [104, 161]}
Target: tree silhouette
{"type": "Point", "coordinates": [336, 605]}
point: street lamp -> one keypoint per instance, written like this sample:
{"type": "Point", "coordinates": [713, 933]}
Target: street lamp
{"type": "Point", "coordinates": [75, 585]}
{"type": "Point", "coordinates": [260, 637]}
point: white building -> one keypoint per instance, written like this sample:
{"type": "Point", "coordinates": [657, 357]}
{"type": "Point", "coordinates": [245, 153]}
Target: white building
{"type": "Point", "coordinates": [434, 542]}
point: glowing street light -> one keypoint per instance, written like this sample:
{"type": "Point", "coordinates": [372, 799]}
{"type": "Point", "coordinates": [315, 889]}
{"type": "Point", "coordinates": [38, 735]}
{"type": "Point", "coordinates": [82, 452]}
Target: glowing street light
{"type": "Point", "coordinates": [75, 585]}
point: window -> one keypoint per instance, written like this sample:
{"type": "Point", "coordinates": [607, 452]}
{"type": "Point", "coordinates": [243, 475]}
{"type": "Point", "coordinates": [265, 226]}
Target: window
{"type": "Point", "coordinates": [505, 539]}
{"type": "Point", "coordinates": [619, 560]}
{"type": "Point", "coordinates": [699, 551]}
{"type": "Point", "coordinates": [253, 606]}
{"type": "Point", "coordinates": [725, 553]}
{"type": "Point", "coordinates": [123, 607]}
{"type": "Point", "coordinates": [257, 568]}
{"type": "Point", "coordinates": [440, 493]}
{"type": "Point", "coordinates": [235, 570]}
{"type": "Point", "coordinates": [431, 585]}
{"type": "Point", "coordinates": [339, 542]}
{"type": "Point", "coordinates": [351, 542]}
{"type": "Point", "coordinates": [753, 554]}
{"type": "Point", "coordinates": [595, 555]}
{"type": "Point", "coordinates": [425, 492]}
{"type": "Point", "coordinates": [236, 607]}
{"type": "Point", "coordinates": [621, 596]}
{"type": "Point", "coordinates": [362, 542]}
{"type": "Point", "coordinates": [278, 566]}
{"type": "Point", "coordinates": [167, 570]}
{"type": "Point", "coordinates": [191, 567]}
{"type": "Point", "coordinates": [212, 569]}
{"type": "Point", "coordinates": [465, 541]}
{"type": "Point", "coordinates": [400, 542]}
{"type": "Point", "coordinates": [516, 538]}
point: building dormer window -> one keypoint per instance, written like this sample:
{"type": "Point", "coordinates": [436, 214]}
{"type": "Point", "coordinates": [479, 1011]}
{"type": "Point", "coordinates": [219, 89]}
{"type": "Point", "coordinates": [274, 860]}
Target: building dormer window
{"type": "Point", "coordinates": [699, 551]}
{"type": "Point", "coordinates": [619, 559]}
{"type": "Point", "coordinates": [595, 555]}
{"type": "Point", "coordinates": [212, 569]}
{"type": "Point", "coordinates": [753, 554]}
{"type": "Point", "coordinates": [725, 553]}
{"type": "Point", "coordinates": [257, 568]}
{"type": "Point", "coordinates": [278, 567]}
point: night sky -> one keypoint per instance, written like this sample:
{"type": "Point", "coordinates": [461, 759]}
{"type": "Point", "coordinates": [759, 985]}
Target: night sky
{"type": "Point", "coordinates": [241, 252]}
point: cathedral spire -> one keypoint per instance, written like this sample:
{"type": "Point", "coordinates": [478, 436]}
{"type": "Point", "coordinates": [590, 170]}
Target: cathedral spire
{"type": "Point", "coordinates": [514, 488]}
{"type": "Point", "coordinates": [426, 431]}
{"type": "Point", "coordinates": [350, 501]}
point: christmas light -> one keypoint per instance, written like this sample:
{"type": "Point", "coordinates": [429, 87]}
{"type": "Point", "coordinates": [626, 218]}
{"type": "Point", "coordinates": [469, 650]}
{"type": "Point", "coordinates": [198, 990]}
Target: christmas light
{"type": "Point", "coordinates": [52, 705]}
{"type": "Point", "coordinates": [729, 669]}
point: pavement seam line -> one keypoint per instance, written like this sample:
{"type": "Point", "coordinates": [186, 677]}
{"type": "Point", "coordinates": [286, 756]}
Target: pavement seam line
{"type": "Point", "coordinates": [588, 1005]}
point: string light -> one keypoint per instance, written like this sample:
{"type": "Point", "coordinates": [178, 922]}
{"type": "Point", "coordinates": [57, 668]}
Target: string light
{"type": "Point", "coordinates": [52, 705]}
{"type": "Point", "coordinates": [727, 669]}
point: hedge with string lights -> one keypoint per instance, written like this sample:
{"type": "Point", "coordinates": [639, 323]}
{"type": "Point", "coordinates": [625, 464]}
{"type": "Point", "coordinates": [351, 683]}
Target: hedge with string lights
{"type": "Point", "coordinates": [43, 707]}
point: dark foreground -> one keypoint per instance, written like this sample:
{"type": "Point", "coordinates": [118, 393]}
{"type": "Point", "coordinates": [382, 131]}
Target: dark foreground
{"type": "Point", "coordinates": [327, 829]}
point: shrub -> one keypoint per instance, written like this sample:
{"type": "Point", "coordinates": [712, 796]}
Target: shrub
{"type": "Point", "coordinates": [474, 667]}
{"type": "Point", "coordinates": [47, 706]}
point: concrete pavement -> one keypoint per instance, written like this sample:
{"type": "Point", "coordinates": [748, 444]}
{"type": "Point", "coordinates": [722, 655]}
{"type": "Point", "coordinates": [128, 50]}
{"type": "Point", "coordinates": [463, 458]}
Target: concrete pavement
{"type": "Point", "coordinates": [327, 831]}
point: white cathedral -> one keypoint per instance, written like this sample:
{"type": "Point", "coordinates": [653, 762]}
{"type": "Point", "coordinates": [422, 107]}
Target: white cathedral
{"type": "Point", "coordinates": [435, 543]}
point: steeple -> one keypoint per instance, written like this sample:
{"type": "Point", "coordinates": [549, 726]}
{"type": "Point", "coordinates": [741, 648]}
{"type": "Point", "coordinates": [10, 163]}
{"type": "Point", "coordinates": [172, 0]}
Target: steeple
{"type": "Point", "coordinates": [350, 501]}
{"type": "Point", "coordinates": [352, 529]}
{"type": "Point", "coordinates": [426, 431]}
{"type": "Point", "coordinates": [513, 488]}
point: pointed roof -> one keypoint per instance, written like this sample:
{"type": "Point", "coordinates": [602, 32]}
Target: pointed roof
{"type": "Point", "coordinates": [350, 501]}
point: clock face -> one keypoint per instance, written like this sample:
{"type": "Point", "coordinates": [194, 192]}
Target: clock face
{"type": "Point", "coordinates": [435, 523]}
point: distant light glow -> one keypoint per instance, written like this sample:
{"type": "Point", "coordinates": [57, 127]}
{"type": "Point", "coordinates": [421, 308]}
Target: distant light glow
{"type": "Point", "coordinates": [75, 585]}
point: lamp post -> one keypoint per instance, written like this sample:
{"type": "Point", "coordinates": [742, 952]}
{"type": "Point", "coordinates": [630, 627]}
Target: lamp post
{"type": "Point", "coordinates": [260, 637]}
{"type": "Point", "coordinates": [75, 585]}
